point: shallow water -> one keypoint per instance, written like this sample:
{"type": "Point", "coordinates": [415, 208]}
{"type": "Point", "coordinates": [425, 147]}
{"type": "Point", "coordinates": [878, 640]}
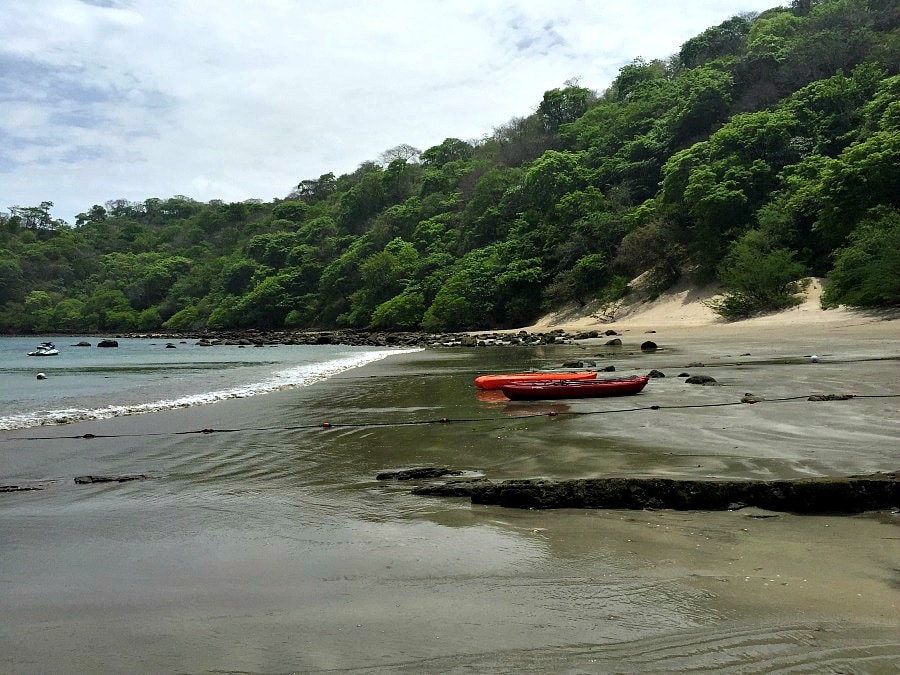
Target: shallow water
{"type": "Point", "coordinates": [271, 547]}
{"type": "Point", "coordinates": [144, 375]}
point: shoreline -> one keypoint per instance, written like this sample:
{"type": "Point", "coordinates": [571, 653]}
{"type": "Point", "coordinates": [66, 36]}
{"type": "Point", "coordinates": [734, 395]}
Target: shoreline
{"type": "Point", "coordinates": [680, 311]}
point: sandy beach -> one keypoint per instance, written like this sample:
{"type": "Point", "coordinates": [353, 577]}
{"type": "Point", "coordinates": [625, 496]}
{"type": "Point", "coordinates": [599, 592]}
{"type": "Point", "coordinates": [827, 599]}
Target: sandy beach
{"type": "Point", "coordinates": [272, 548]}
{"type": "Point", "coordinates": [683, 311]}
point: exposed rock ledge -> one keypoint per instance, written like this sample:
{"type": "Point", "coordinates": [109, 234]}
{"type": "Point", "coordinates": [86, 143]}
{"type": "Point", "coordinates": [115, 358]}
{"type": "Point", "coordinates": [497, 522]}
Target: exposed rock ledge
{"type": "Point", "coordinates": [843, 494]}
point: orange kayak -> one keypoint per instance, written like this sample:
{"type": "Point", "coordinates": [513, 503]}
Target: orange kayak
{"type": "Point", "coordinates": [497, 381]}
{"type": "Point", "coordinates": [532, 391]}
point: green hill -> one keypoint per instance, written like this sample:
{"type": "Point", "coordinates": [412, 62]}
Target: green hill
{"type": "Point", "coordinates": [765, 151]}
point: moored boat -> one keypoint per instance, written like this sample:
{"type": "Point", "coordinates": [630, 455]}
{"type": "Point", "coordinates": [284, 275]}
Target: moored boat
{"type": "Point", "coordinates": [533, 391]}
{"type": "Point", "coordinates": [497, 381]}
{"type": "Point", "coordinates": [45, 349]}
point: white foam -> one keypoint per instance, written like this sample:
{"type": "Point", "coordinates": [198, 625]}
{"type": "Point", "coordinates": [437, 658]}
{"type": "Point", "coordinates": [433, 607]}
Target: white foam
{"type": "Point", "coordinates": [299, 376]}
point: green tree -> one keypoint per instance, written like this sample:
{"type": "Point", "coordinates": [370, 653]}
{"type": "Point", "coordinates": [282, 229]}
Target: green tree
{"type": "Point", "coordinates": [38, 311]}
{"type": "Point", "coordinates": [864, 176]}
{"type": "Point", "coordinates": [757, 278]}
{"type": "Point", "coordinates": [404, 311]}
{"type": "Point", "coordinates": [562, 106]}
{"type": "Point", "coordinates": [729, 37]}
{"type": "Point", "coordinates": [466, 299]}
{"type": "Point", "coordinates": [451, 150]}
{"type": "Point", "coordinates": [552, 175]}
{"type": "Point", "coordinates": [185, 320]}
{"type": "Point", "coordinates": [10, 277]}
{"type": "Point", "coordinates": [109, 310]}
{"type": "Point", "coordinates": [67, 315]}
{"type": "Point", "coordinates": [867, 271]}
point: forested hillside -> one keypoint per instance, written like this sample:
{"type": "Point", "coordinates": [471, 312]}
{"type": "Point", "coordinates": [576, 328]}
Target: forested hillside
{"type": "Point", "coordinates": [766, 150]}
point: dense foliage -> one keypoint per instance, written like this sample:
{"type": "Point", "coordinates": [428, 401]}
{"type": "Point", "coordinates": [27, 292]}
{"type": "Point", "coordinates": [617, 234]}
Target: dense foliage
{"type": "Point", "coordinates": [766, 150]}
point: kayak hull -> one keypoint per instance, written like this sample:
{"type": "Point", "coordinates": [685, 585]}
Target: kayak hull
{"type": "Point", "coordinates": [497, 381]}
{"type": "Point", "coordinates": [536, 391]}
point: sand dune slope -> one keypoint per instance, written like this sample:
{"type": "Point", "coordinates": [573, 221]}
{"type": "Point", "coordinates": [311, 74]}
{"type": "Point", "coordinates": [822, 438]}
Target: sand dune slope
{"type": "Point", "coordinates": [683, 308]}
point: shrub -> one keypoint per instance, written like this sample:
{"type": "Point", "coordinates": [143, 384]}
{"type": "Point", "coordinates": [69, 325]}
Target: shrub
{"type": "Point", "coordinates": [757, 278]}
{"type": "Point", "coordinates": [402, 311]}
{"type": "Point", "coordinates": [867, 272]}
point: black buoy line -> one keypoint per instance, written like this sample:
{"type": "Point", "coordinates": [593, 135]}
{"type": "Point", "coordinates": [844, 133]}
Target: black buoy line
{"type": "Point", "coordinates": [453, 420]}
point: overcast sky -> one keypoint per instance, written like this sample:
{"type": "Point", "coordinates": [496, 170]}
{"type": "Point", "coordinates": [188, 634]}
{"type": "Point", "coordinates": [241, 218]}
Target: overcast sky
{"type": "Point", "coordinates": [240, 99]}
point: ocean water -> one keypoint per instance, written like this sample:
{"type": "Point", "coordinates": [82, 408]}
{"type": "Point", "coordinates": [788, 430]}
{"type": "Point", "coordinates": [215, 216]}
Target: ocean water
{"type": "Point", "coordinates": [143, 376]}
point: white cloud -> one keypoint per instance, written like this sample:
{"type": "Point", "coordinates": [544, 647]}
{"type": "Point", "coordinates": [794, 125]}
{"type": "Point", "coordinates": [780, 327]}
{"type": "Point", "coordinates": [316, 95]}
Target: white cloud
{"type": "Point", "coordinates": [232, 99]}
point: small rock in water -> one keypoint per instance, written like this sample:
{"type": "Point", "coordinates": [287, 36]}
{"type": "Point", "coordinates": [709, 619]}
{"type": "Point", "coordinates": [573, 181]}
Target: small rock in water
{"type": "Point", "coordinates": [417, 473]}
{"type": "Point", "coordinates": [830, 397]}
{"type": "Point", "coordinates": [701, 379]}
{"type": "Point", "coordinates": [41, 376]}
{"type": "Point", "coordinates": [83, 480]}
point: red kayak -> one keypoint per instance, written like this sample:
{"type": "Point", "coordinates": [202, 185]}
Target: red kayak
{"type": "Point", "coordinates": [497, 381]}
{"type": "Point", "coordinates": [532, 391]}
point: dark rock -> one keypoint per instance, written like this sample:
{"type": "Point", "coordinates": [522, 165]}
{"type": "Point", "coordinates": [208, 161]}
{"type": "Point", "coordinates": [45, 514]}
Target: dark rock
{"type": "Point", "coordinates": [463, 487]}
{"type": "Point", "coordinates": [696, 364]}
{"type": "Point", "coordinates": [20, 488]}
{"type": "Point", "coordinates": [573, 364]}
{"type": "Point", "coordinates": [418, 473]}
{"type": "Point", "coordinates": [649, 346]}
{"type": "Point", "coordinates": [656, 373]}
{"type": "Point", "coordinates": [610, 332]}
{"type": "Point", "coordinates": [615, 342]}
{"type": "Point", "coordinates": [82, 344]}
{"type": "Point", "coordinates": [171, 346]}
{"type": "Point", "coordinates": [700, 379]}
{"type": "Point", "coordinates": [684, 374]}
{"type": "Point", "coordinates": [750, 398]}
{"type": "Point", "coordinates": [608, 369]}
{"type": "Point", "coordinates": [587, 335]}
{"type": "Point", "coordinates": [649, 331]}
{"type": "Point", "coordinates": [108, 343]}
{"type": "Point", "coordinates": [841, 494]}
{"type": "Point", "coordinates": [81, 480]}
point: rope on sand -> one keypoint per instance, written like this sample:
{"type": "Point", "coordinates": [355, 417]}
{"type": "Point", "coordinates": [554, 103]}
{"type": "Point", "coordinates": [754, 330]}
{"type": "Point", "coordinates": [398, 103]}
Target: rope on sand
{"type": "Point", "coordinates": [747, 399]}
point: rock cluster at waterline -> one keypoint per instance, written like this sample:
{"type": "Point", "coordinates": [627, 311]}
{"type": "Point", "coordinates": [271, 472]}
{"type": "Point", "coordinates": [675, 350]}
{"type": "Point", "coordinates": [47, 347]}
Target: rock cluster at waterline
{"type": "Point", "coordinates": [256, 338]}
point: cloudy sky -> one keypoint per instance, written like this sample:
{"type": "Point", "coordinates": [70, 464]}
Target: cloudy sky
{"type": "Point", "coordinates": [240, 99]}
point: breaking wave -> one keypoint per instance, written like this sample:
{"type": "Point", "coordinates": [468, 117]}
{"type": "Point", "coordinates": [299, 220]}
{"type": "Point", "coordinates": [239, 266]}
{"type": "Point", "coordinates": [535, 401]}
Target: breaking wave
{"type": "Point", "coordinates": [298, 376]}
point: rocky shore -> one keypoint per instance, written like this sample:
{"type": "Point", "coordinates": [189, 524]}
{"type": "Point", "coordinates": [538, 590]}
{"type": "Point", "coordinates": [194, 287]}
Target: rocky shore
{"type": "Point", "coordinates": [832, 494]}
{"type": "Point", "coordinates": [259, 338]}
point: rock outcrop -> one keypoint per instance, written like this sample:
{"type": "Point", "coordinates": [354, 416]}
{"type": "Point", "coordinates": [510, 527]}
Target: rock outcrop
{"type": "Point", "coordinates": [842, 494]}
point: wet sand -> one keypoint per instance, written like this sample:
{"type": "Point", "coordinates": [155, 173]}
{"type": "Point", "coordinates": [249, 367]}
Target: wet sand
{"type": "Point", "coordinates": [272, 548]}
